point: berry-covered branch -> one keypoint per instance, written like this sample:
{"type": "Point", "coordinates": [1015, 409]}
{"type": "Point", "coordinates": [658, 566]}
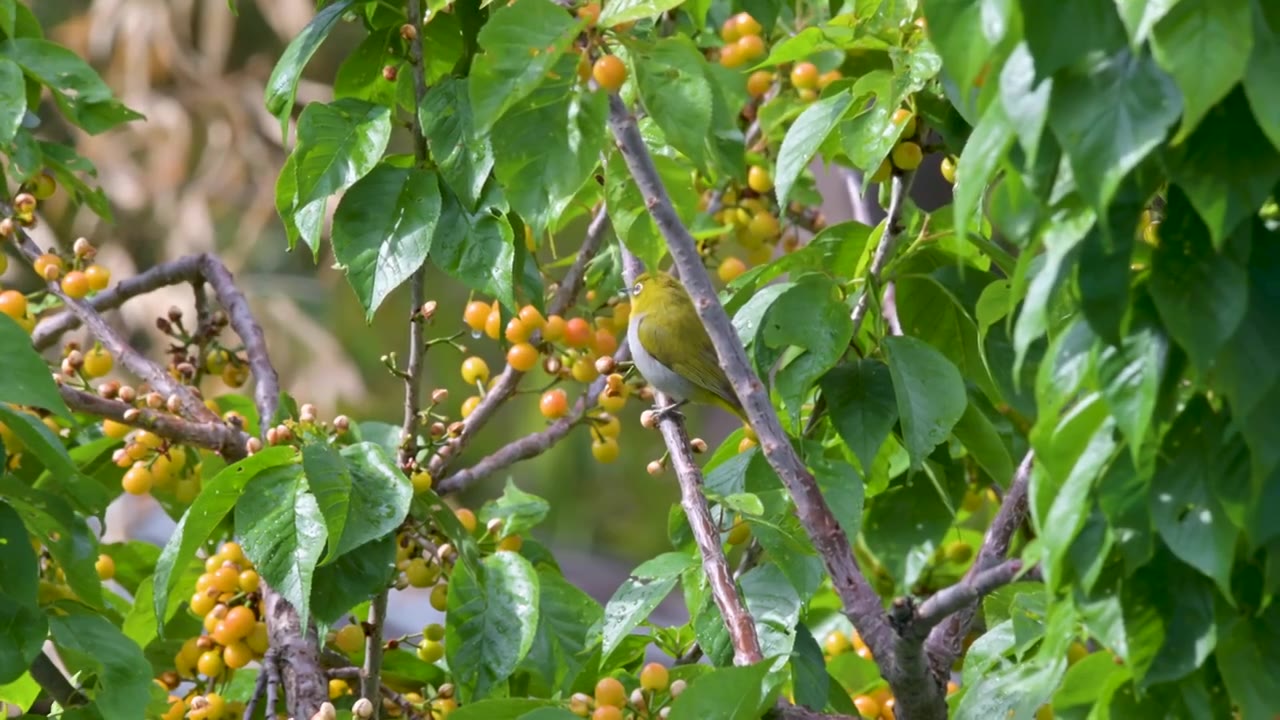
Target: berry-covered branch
{"type": "Point", "coordinates": [505, 384]}
{"type": "Point", "coordinates": [222, 438]}
{"type": "Point", "coordinates": [738, 621]}
{"type": "Point", "coordinates": [861, 603]}
{"type": "Point", "coordinates": [945, 642]}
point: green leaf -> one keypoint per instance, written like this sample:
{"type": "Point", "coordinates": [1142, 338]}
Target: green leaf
{"type": "Point", "coordinates": [870, 134]}
{"type": "Point", "coordinates": [491, 621]}
{"type": "Point", "coordinates": [67, 166]}
{"type": "Point", "coordinates": [635, 599]}
{"type": "Point", "coordinates": [22, 624]}
{"type": "Point", "coordinates": [623, 11]}
{"type": "Point", "coordinates": [518, 510]}
{"type": "Point", "coordinates": [282, 86]}
{"type": "Point", "coordinates": [39, 440]}
{"type": "Point", "coordinates": [1069, 461]}
{"type": "Point", "coordinates": [206, 513]}
{"type": "Point", "coordinates": [123, 682]}
{"type": "Point", "coordinates": [352, 579]}
{"type": "Point", "coordinates": [1140, 16]}
{"type": "Point", "coordinates": [338, 143]}
{"type": "Point", "coordinates": [1130, 375]}
{"type": "Point", "coordinates": [1227, 167]}
{"type": "Point", "coordinates": [1264, 65]}
{"type": "Point", "coordinates": [522, 42]}
{"type": "Point", "coordinates": [1058, 34]}
{"type": "Point", "coordinates": [62, 531]}
{"type": "Point", "coordinates": [360, 74]}
{"type": "Point", "coordinates": [1201, 295]}
{"type": "Point", "coordinates": [862, 405]}
{"type": "Point", "coordinates": [775, 605]}
{"type": "Point", "coordinates": [629, 215]}
{"type": "Point", "coordinates": [980, 437]}
{"type": "Point", "coordinates": [905, 525]}
{"type": "Point", "coordinates": [15, 107]}
{"type": "Point", "coordinates": [383, 228]}
{"type": "Point", "coordinates": [1249, 662]}
{"type": "Point", "coordinates": [501, 709]}
{"type": "Point", "coordinates": [803, 139]}
{"type": "Point", "coordinates": [1187, 513]}
{"type": "Point", "coordinates": [673, 85]}
{"type": "Point", "coordinates": [809, 671]}
{"type": "Point", "coordinates": [841, 487]}
{"type": "Point", "coordinates": [556, 135]}
{"type": "Point", "coordinates": [1067, 227]}
{"type": "Point", "coordinates": [463, 155]}
{"type": "Point", "coordinates": [283, 532]}
{"type": "Point", "coordinates": [982, 153]}
{"type": "Point", "coordinates": [1025, 99]}
{"type": "Point", "coordinates": [808, 315]}
{"type": "Point", "coordinates": [26, 379]}
{"type": "Point", "coordinates": [1189, 624]}
{"type": "Point", "coordinates": [1205, 46]}
{"type": "Point", "coordinates": [478, 248]}
{"type": "Point", "coordinates": [380, 495]}
{"type": "Point", "coordinates": [930, 393]}
{"type": "Point", "coordinates": [330, 481]}
{"type": "Point", "coordinates": [21, 693]}
{"type": "Point", "coordinates": [77, 89]}
{"type": "Point", "coordinates": [565, 615]}
{"type": "Point", "coordinates": [1122, 496]}
{"type": "Point", "coordinates": [135, 561]}
{"type": "Point", "coordinates": [966, 33]}
{"type": "Point", "coordinates": [1108, 114]}
{"type": "Point", "coordinates": [732, 693]}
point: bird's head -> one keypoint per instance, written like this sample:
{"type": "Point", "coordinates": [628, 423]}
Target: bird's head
{"type": "Point", "coordinates": [654, 289]}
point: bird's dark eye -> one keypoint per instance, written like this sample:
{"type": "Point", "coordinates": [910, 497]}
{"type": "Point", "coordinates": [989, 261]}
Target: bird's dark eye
{"type": "Point", "coordinates": [635, 289]}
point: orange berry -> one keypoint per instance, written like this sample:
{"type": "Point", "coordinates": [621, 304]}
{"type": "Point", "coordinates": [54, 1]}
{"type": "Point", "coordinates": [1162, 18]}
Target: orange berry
{"type": "Point", "coordinates": [226, 579]}
{"type": "Point", "coordinates": [867, 706]}
{"type": "Point", "coordinates": [554, 330]}
{"type": "Point", "coordinates": [827, 78]}
{"type": "Point", "coordinates": [466, 518]}
{"type": "Point", "coordinates": [759, 83]}
{"type": "Point", "coordinates": [530, 316]}
{"type": "Point", "coordinates": [75, 284]}
{"type": "Point", "coordinates": [237, 655]}
{"type": "Point", "coordinates": [731, 56]}
{"type": "Point", "coordinates": [476, 314]}
{"type": "Point", "coordinates": [611, 692]}
{"type": "Point", "coordinates": [210, 663]}
{"type": "Point", "coordinates": [99, 277]}
{"type": "Point", "coordinates": [606, 342]}
{"type": "Point", "coordinates": [730, 268]}
{"type": "Point", "coordinates": [517, 331]}
{"type": "Point", "coordinates": [577, 333]}
{"type": "Point", "coordinates": [805, 76]}
{"type": "Point", "coordinates": [522, 357]}
{"type": "Point", "coordinates": [751, 47]}
{"type": "Point", "coordinates": [493, 323]}
{"type": "Point", "coordinates": [13, 304]}
{"type": "Point", "coordinates": [105, 566]}
{"type": "Point", "coordinates": [554, 404]}
{"type": "Point", "coordinates": [239, 622]}
{"type": "Point", "coordinates": [606, 712]}
{"type": "Point", "coordinates": [610, 72]}
{"type": "Point", "coordinates": [49, 266]}
{"type": "Point", "coordinates": [590, 12]}
{"type": "Point", "coordinates": [654, 677]}
{"type": "Point", "coordinates": [250, 581]}
{"type": "Point", "coordinates": [746, 25]}
{"type": "Point", "coordinates": [474, 370]}
{"type": "Point", "coordinates": [137, 480]}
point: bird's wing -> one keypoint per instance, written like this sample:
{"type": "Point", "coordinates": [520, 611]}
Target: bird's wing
{"type": "Point", "coordinates": [697, 361]}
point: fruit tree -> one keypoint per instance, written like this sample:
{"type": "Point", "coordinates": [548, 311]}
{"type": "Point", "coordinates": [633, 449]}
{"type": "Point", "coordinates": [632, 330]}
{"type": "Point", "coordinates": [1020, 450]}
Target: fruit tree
{"type": "Point", "coordinates": [1011, 454]}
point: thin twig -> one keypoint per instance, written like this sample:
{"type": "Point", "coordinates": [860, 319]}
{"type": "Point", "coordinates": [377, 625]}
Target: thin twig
{"type": "Point", "coordinates": [946, 641]}
{"type": "Point", "coordinates": [371, 676]}
{"type": "Point", "coordinates": [505, 384]}
{"type": "Point", "coordinates": [861, 603]}
{"type": "Point", "coordinates": [862, 204]}
{"type": "Point", "coordinates": [888, 240]}
{"type": "Point", "coordinates": [738, 621]}
{"type": "Point", "coordinates": [266, 392]}
{"type": "Point", "coordinates": [50, 678]}
{"type": "Point", "coordinates": [890, 310]}
{"type": "Point", "coordinates": [259, 689]}
{"type": "Point", "coordinates": [222, 438]}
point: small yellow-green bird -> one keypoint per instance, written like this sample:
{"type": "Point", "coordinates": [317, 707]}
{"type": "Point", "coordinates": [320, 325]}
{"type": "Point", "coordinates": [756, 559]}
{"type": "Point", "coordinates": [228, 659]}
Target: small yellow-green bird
{"type": "Point", "coordinates": [671, 348]}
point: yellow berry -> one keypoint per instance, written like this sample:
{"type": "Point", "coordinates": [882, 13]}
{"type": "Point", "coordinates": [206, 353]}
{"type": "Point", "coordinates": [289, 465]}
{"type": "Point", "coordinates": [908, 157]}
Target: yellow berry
{"type": "Point", "coordinates": [474, 370]}
{"type": "Point", "coordinates": [605, 450]}
{"type": "Point", "coordinates": [106, 567]}
{"type": "Point", "coordinates": [349, 639]}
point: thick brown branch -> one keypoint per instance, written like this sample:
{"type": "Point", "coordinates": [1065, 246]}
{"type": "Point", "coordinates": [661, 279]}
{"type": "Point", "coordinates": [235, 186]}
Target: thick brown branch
{"type": "Point", "coordinates": [738, 621]}
{"type": "Point", "coordinates": [506, 383]}
{"type": "Point", "coordinates": [972, 588]}
{"type": "Point", "coordinates": [946, 641]}
{"type": "Point", "coordinates": [52, 680]}
{"type": "Point", "coordinates": [218, 437]}
{"type": "Point", "coordinates": [266, 393]}
{"type": "Point", "coordinates": [860, 602]}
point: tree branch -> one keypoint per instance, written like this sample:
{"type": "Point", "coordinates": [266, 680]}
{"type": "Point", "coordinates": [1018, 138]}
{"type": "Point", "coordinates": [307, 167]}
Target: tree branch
{"type": "Point", "coordinates": [738, 621]}
{"type": "Point", "coordinates": [968, 591]}
{"type": "Point", "coordinates": [901, 185]}
{"type": "Point", "coordinates": [860, 602]}
{"type": "Point", "coordinates": [505, 384]}
{"type": "Point", "coordinates": [890, 309]}
{"type": "Point", "coordinates": [946, 641]}
{"type": "Point", "coordinates": [218, 437]}
{"type": "Point", "coordinates": [49, 676]}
